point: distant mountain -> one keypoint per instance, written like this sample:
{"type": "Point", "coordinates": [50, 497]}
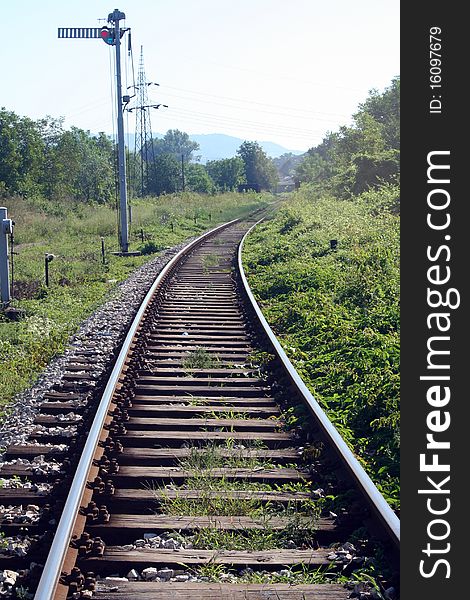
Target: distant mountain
{"type": "Point", "coordinates": [215, 146]}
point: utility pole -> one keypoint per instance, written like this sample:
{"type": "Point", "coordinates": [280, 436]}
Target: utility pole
{"type": "Point", "coordinates": [182, 172]}
{"type": "Point", "coordinates": [112, 37]}
{"type": "Point", "coordinates": [115, 17]}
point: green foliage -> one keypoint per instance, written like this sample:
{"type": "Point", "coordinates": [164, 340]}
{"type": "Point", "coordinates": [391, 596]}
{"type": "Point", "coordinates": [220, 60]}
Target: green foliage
{"type": "Point", "coordinates": [21, 154]}
{"type": "Point", "coordinates": [81, 167]}
{"type": "Point", "coordinates": [39, 157]}
{"type": "Point", "coordinates": [176, 143]}
{"type": "Point", "coordinates": [199, 359]}
{"type": "Point", "coordinates": [363, 156]}
{"type": "Point", "coordinates": [165, 176]}
{"type": "Point", "coordinates": [287, 163]}
{"type": "Point", "coordinates": [260, 172]}
{"type": "Point", "coordinates": [337, 312]}
{"type": "Point", "coordinates": [198, 179]}
{"type": "Point", "coordinates": [227, 173]}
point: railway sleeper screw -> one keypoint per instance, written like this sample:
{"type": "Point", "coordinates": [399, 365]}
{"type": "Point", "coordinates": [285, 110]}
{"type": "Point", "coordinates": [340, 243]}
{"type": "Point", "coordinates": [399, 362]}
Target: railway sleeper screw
{"type": "Point", "coordinates": [90, 581]}
{"type": "Point", "coordinates": [75, 579]}
{"type": "Point", "coordinates": [120, 404]}
{"type": "Point", "coordinates": [73, 591]}
{"type": "Point", "coordinates": [109, 488]}
{"type": "Point", "coordinates": [57, 487]}
{"type": "Point", "coordinates": [84, 544]}
{"type": "Point", "coordinates": [113, 446]}
{"type": "Point", "coordinates": [91, 512]}
{"type": "Point", "coordinates": [98, 547]}
{"type": "Point", "coordinates": [113, 428]}
{"type": "Point", "coordinates": [132, 372]}
{"type": "Point", "coordinates": [98, 485]}
{"type": "Point", "coordinates": [114, 466]}
{"type": "Point", "coordinates": [127, 392]}
{"type": "Point", "coordinates": [104, 516]}
{"type": "Point", "coordinates": [118, 429]}
{"type": "Point", "coordinates": [120, 415]}
{"type": "Point", "coordinates": [125, 400]}
{"type": "Point", "coordinates": [102, 462]}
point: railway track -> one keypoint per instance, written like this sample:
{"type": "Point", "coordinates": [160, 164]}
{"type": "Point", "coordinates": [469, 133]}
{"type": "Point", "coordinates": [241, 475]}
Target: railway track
{"type": "Point", "coordinates": [206, 469]}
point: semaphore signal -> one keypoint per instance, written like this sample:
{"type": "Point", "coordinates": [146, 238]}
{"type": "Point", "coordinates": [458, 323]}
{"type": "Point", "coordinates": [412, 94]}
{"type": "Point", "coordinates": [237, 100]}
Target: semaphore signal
{"type": "Point", "coordinates": [107, 35]}
{"type": "Point", "coordinates": [112, 37]}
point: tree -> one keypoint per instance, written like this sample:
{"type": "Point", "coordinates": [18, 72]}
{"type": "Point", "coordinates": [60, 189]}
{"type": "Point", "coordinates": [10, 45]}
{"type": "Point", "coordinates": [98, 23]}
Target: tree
{"type": "Point", "coordinates": [198, 179]}
{"type": "Point", "coordinates": [260, 172]}
{"type": "Point", "coordinates": [21, 154]}
{"type": "Point", "coordinates": [287, 163]}
{"type": "Point", "coordinates": [51, 131]}
{"type": "Point", "coordinates": [165, 178]}
{"type": "Point", "coordinates": [363, 156]}
{"type": "Point", "coordinates": [82, 166]}
{"type": "Point", "coordinates": [227, 173]}
{"type": "Point", "coordinates": [177, 143]}
{"type": "Point", "coordinates": [312, 168]}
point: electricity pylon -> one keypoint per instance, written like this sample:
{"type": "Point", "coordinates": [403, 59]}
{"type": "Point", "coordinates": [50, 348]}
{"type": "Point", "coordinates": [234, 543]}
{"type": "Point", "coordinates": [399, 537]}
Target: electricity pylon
{"type": "Point", "coordinates": [143, 148]}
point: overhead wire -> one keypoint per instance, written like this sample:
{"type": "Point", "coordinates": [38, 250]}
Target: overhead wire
{"type": "Point", "coordinates": [276, 76]}
{"type": "Point", "coordinates": [236, 124]}
{"type": "Point", "coordinates": [222, 118]}
{"type": "Point", "coordinates": [251, 102]}
{"type": "Point", "coordinates": [251, 109]}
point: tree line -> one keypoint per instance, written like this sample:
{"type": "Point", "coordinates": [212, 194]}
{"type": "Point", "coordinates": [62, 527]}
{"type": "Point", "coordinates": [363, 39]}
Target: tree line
{"type": "Point", "coordinates": [42, 158]}
{"type": "Point", "coordinates": [360, 157]}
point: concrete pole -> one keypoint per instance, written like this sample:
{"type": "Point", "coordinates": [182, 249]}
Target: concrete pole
{"type": "Point", "coordinates": [5, 230]}
{"type": "Point", "coordinates": [116, 16]}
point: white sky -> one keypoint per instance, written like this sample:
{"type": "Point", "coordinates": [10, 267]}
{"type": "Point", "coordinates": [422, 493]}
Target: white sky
{"type": "Point", "coordinates": [285, 71]}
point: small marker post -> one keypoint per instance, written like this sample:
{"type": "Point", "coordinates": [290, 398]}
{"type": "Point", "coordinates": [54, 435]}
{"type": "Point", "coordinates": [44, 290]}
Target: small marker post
{"type": "Point", "coordinates": [6, 228]}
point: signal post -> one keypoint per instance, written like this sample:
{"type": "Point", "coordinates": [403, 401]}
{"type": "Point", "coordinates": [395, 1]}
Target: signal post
{"type": "Point", "coordinates": [112, 37]}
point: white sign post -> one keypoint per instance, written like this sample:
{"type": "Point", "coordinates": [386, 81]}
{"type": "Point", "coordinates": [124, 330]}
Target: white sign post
{"type": "Point", "coordinates": [6, 228]}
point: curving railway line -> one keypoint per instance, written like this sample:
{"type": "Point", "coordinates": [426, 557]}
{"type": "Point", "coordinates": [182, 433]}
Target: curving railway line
{"type": "Point", "coordinates": [187, 476]}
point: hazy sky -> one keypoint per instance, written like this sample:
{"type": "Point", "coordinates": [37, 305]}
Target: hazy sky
{"type": "Point", "coordinates": [271, 70]}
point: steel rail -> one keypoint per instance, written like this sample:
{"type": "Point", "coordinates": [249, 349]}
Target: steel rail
{"type": "Point", "coordinates": [52, 569]}
{"type": "Point", "coordinates": [386, 515]}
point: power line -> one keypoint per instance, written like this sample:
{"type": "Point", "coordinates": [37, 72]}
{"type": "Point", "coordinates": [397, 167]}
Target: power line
{"type": "Point", "coordinates": [251, 102]}
{"type": "Point", "coordinates": [252, 109]}
{"type": "Point", "coordinates": [226, 121]}
{"type": "Point", "coordinates": [276, 76]}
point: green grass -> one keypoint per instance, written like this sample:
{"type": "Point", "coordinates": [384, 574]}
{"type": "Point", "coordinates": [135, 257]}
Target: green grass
{"type": "Point", "coordinates": [200, 359]}
{"type": "Point", "coordinates": [79, 281]}
{"type": "Point", "coordinates": [202, 462]}
{"type": "Point", "coordinates": [336, 313]}
{"type": "Point", "coordinates": [253, 540]}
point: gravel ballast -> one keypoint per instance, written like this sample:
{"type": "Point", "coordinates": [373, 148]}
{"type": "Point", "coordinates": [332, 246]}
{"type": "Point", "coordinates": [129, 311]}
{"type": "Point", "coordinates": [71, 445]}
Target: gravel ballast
{"type": "Point", "coordinates": [103, 332]}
